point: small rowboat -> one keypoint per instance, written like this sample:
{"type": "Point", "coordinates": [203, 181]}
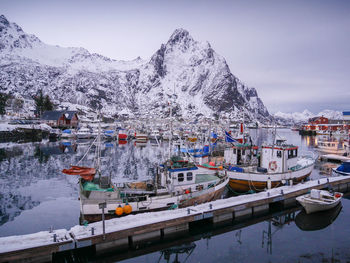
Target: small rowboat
{"type": "Point", "coordinates": [319, 200]}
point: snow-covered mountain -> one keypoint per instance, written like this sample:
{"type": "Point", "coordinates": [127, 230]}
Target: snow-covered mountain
{"type": "Point", "coordinates": [187, 73]}
{"type": "Point", "coordinates": [297, 117]}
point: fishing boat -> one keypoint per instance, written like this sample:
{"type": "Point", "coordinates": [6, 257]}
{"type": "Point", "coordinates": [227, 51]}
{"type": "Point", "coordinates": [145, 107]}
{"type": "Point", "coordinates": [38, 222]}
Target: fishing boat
{"type": "Point", "coordinates": [68, 134]}
{"type": "Point", "coordinates": [110, 134]}
{"type": "Point", "coordinates": [343, 169]}
{"type": "Point", "coordinates": [141, 137]}
{"type": "Point", "coordinates": [175, 183]}
{"type": "Point", "coordinates": [122, 134]}
{"type": "Point", "coordinates": [330, 146]}
{"type": "Point", "coordinates": [254, 170]}
{"type": "Point", "coordinates": [319, 200]}
{"type": "Point", "coordinates": [155, 135]}
{"type": "Point", "coordinates": [272, 166]}
{"type": "Point", "coordinates": [84, 133]}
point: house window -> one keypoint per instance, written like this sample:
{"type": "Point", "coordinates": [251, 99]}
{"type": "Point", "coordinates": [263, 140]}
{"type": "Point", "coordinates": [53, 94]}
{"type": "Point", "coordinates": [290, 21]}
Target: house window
{"type": "Point", "coordinates": [189, 176]}
{"type": "Point", "coordinates": [180, 177]}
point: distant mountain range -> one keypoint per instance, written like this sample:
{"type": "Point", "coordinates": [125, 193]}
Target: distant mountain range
{"type": "Point", "coordinates": [186, 73]}
{"type": "Point", "coordinates": [297, 117]}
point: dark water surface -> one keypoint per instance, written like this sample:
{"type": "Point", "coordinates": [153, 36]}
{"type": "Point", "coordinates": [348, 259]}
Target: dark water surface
{"type": "Point", "coordinates": [35, 196]}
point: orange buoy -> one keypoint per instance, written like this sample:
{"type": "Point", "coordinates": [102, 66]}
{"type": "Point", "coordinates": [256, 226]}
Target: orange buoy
{"type": "Point", "coordinates": [127, 209]}
{"type": "Point", "coordinates": [119, 210]}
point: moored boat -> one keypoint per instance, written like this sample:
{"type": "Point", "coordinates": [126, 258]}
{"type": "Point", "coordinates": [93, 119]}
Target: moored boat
{"type": "Point", "coordinates": [275, 165]}
{"type": "Point", "coordinates": [177, 183]}
{"type": "Point", "coordinates": [343, 169]}
{"type": "Point", "coordinates": [319, 200]}
{"type": "Point", "coordinates": [330, 146]}
{"type": "Point", "coordinates": [84, 133]}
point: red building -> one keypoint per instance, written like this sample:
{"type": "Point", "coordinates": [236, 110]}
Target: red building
{"type": "Point", "coordinates": [63, 119]}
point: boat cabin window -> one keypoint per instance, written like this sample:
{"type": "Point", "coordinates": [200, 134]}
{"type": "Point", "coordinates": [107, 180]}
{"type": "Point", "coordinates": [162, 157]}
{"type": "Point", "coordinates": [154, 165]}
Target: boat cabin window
{"type": "Point", "coordinates": [292, 153]}
{"type": "Point", "coordinates": [180, 177]}
{"type": "Point", "coordinates": [189, 176]}
{"type": "Point", "coordinates": [279, 154]}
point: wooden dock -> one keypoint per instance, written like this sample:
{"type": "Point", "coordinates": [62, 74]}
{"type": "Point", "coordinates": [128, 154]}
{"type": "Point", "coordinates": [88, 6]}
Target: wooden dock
{"type": "Point", "coordinates": [133, 230]}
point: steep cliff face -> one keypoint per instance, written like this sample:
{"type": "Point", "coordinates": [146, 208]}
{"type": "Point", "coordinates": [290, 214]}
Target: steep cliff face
{"type": "Point", "coordinates": [185, 72]}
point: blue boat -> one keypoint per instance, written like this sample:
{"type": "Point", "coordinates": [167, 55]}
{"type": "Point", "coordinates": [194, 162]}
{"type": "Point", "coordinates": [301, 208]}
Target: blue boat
{"type": "Point", "coordinates": [343, 169]}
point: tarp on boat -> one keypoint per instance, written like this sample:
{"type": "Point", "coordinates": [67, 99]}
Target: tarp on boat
{"type": "Point", "coordinates": [344, 167]}
{"type": "Point", "coordinates": [235, 169]}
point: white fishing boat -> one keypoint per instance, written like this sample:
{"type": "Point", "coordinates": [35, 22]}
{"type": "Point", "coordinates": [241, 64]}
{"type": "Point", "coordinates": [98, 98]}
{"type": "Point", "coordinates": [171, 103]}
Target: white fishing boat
{"type": "Point", "coordinates": [84, 133]}
{"type": "Point", "coordinates": [141, 137]}
{"type": "Point", "coordinates": [330, 146]}
{"type": "Point", "coordinates": [177, 183]}
{"type": "Point", "coordinates": [254, 170]}
{"type": "Point", "coordinates": [319, 200]}
{"type": "Point", "coordinates": [278, 165]}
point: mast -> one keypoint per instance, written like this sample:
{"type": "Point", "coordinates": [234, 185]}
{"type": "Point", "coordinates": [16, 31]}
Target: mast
{"type": "Point", "coordinates": [171, 129]}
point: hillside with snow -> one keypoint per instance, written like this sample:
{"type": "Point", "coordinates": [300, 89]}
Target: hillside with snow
{"type": "Point", "coordinates": [189, 74]}
{"type": "Point", "coordinates": [298, 117]}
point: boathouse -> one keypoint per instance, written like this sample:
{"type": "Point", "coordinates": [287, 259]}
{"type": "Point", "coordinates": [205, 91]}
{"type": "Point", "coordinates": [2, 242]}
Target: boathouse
{"type": "Point", "coordinates": [62, 119]}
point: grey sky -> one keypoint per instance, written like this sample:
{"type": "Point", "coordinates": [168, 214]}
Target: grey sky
{"type": "Point", "coordinates": [295, 53]}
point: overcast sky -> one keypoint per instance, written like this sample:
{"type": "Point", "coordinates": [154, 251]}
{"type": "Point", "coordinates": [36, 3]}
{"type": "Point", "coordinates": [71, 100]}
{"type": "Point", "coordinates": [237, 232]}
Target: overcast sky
{"type": "Point", "coordinates": [295, 53]}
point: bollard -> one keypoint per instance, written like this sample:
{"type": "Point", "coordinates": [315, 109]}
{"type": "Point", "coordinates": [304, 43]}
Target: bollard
{"type": "Point", "coordinates": [92, 231]}
{"type": "Point", "coordinates": [268, 193]}
{"type": "Point", "coordinates": [210, 206]}
{"type": "Point", "coordinates": [282, 192]}
{"type": "Point", "coordinates": [318, 181]}
{"type": "Point", "coordinates": [188, 211]}
{"type": "Point", "coordinates": [54, 237]}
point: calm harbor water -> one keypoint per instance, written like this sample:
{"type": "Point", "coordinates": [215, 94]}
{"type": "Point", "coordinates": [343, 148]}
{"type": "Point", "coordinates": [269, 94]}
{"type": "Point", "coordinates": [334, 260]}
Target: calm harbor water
{"type": "Point", "coordinates": [35, 196]}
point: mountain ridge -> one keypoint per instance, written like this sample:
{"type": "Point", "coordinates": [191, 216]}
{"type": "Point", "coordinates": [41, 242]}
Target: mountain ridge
{"type": "Point", "coordinates": [185, 72]}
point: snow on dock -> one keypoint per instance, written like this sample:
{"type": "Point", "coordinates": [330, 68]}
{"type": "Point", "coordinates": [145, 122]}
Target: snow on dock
{"type": "Point", "coordinates": [140, 227]}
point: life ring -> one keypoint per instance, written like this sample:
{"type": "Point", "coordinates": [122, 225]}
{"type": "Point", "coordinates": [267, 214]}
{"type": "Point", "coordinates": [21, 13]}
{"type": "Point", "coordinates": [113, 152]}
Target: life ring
{"type": "Point", "coordinates": [273, 165]}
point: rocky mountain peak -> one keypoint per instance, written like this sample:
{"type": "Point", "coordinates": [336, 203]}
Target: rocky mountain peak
{"type": "Point", "coordinates": [3, 21]}
{"type": "Point", "coordinates": [189, 72]}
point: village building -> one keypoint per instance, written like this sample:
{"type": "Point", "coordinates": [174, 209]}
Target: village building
{"type": "Point", "coordinates": [60, 119]}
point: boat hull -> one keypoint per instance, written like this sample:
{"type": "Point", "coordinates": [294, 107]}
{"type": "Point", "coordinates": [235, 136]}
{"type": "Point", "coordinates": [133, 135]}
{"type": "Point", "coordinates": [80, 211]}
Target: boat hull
{"type": "Point", "coordinates": [257, 182]}
{"type": "Point", "coordinates": [311, 207]}
{"type": "Point", "coordinates": [90, 211]}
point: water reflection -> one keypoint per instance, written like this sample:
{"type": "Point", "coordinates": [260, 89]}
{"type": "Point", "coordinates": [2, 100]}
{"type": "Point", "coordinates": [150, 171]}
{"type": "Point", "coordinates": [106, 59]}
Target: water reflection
{"type": "Point", "coordinates": [317, 221]}
{"type": "Point", "coordinates": [275, 224]}
{"type": "Point", "coordinates": [172, 254]}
